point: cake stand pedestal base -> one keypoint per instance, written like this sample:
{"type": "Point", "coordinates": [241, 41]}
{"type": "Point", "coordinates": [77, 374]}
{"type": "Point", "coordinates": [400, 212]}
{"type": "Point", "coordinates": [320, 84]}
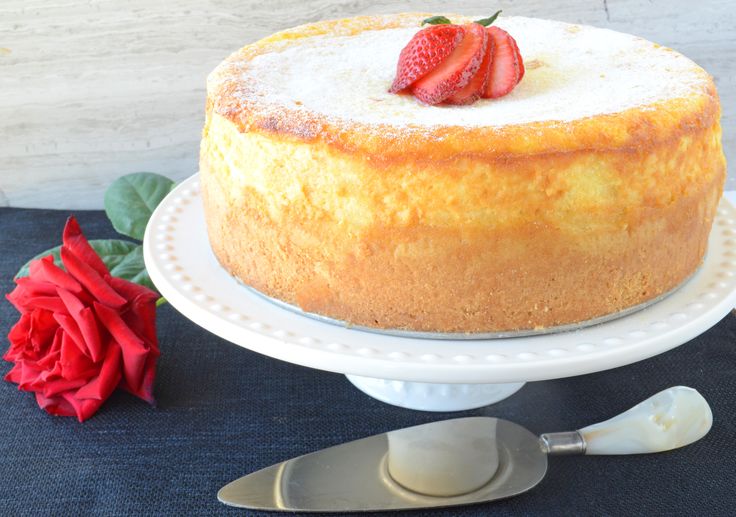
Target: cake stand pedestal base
{"type": "Point", "coordinates": [426, 396]}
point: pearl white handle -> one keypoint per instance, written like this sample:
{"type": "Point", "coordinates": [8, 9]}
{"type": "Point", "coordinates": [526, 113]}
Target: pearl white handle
{"type": "Point", "coordinates": [670, 419]}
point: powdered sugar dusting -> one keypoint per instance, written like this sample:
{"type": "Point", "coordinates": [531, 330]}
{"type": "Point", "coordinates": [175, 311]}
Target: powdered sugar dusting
{"type": "Point", "coordinates": [572, 72]}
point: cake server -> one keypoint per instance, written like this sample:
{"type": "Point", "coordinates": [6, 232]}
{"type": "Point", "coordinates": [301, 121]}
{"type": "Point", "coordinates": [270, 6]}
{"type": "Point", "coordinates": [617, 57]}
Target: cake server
{"type": "Point", "coordinates": [459, 461]}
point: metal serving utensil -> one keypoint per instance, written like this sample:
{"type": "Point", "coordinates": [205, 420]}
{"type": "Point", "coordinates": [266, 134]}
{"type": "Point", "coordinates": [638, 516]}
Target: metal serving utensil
{"type": "Point", "coordinates": [459, 461]}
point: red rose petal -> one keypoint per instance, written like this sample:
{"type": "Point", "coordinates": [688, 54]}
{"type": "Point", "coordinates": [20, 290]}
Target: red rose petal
{"type": "Point", "coordinates": [141, 319]}
{"type": "Point", "coordinates": [145, 390]}
{"type": "Point", "coordinates": [48, 375]}
{"type": "Point", "coordinates": [91, 279]}
{"type": "Point", "coordinates": [141, 313]}
{"type": "Point", "coordinates": [85, 320]}
{"type": "Point", "coordinates": [54, 387]}
{"type": "Point", "coordinates": [42, 329]}
{"type": "Point", "coordinates": [14, 298]}
{"type": "Point", "coordinates": [25, 302]}
{"type": "Point", "coordinates": [72, 330]}
{"type": "Point", "coordinates": [56, 343]}
{"type": "Point", "coordinates": [48, 361]}
{"type": "Point", "coordinates": [55, 405]}
{"type": "Point", "coordinates": [18, 337]}
{"type": "Point", "coordinates": [53, 353]}
{"type": "Point", "coordinates": [133, 349]}
{"type": "Point", "coordinates": [130, 290]}
{"type": "Point", "coordinates": [28, 375]}
{"type": "Point", "coordinates": [74, 240]}
{"type": "Point", "coordinates": [27, 291]}
{"type": "Point", "coordinates": [36, 287]}
{"type": "Point", "coordinates": [102, 386]}
{"type": "Point", "coordinates": [49, 303]}
{"type": "Point", "coordinates": [74, 364]}
{"type": "Point", "coordinates": [11, 355]}
{"type": "Point", "coordinates": [88, 326]}
{"type": "Point", "coordinates": [45, 270]}
{"type": "Point", "coordinates": [32, 336]}
{"type": "Point", "coordinates": [15, 374]}
{"type": "Point", "coordinates": [83, 408]}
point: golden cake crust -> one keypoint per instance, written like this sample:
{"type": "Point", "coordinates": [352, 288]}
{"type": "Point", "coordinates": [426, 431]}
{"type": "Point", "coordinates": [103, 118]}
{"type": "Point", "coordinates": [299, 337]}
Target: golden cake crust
{"type": "Point", "coordinates": [457, 229]}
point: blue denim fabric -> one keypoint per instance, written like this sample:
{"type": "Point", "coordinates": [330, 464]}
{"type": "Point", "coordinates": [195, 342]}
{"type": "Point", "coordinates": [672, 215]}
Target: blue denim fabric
{"type": "Point", "coordinates": [224, 411]}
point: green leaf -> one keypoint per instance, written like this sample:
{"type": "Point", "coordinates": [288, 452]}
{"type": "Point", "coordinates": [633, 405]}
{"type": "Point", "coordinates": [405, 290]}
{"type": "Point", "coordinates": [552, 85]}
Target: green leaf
{"type": "Point", "coordinates": [436, 20]}
{"type": "Point", "coordinates": [130, 200]}
{"type": "Point", "coordinates": [132, 268]}
{"type": "Point", "coordinates": [485, 22]}
{"type": "Point", "coordinates": [124, 259]}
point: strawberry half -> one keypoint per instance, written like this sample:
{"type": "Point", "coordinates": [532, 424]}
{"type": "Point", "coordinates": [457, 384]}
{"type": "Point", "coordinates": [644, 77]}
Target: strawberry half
{"type": "Point", "coordinates": [506, 66]}
{"type": "Point", "coordinates": [456, 71]}
{"type": "Point", "coordinates": [477, 85]}
{"type": "Point", "coordinates": [426, 50]}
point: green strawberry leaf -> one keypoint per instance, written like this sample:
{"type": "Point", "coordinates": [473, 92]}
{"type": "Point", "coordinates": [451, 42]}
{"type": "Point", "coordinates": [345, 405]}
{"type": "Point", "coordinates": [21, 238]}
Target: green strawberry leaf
{"type": "Point", "coordinates": [130, 200]}
{"type": "Point", "coordinates": [124, 259]}
{"type": "Point", "coordinates": [486, 22]}
{"type": "Point", "coordinates": [435, 20]}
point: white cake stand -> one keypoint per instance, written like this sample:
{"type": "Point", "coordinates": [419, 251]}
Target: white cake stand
{"type": "Point", "coordinates": [425, 374]}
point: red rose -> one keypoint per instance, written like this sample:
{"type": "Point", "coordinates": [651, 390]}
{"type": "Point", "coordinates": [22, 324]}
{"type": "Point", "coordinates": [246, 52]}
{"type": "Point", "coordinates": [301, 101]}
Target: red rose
{"type": "Point", "coordinates": [82, 332]}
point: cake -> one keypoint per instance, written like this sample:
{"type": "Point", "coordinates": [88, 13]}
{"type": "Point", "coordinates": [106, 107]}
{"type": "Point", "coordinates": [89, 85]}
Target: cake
{"type": "Point", "coordinates": [588, 190]}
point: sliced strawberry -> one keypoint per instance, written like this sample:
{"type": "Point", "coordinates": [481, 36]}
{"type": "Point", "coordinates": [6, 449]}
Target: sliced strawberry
{"type": "Point", "coordinates": [426, 50]}
{"type": "Point", "coordinates": [518, 59]}
{"type": "Point", "coordinates": [456, 70]}
{"type": "Point", "coordinates": [505, 70]}
{"type": "Point", "coordinates": [477, 85]}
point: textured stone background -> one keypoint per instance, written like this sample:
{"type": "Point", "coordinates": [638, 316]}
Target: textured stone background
{"type": "Point", "coordinates": [93, 89]}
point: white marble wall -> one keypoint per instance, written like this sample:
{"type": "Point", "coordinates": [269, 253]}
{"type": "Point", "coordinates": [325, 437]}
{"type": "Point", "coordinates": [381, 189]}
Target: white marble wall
{"type": "Point", "coordinates": [92, 89]}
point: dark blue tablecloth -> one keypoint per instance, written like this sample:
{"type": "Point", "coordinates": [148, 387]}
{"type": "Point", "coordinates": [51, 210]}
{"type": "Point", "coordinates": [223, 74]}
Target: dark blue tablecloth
{"type": "Point", "coordinates": [224, 411]}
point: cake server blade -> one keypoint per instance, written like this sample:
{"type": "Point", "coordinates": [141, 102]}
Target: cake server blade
{"type": "Point", "coordinates": [459, 461]}
{"type": "Point", "coordinates": [355, 476]}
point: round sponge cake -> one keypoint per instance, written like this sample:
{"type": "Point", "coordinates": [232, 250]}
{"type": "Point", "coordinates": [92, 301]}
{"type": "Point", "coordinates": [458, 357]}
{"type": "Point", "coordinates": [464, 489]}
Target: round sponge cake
{"type": "Point", "coordinates": [589, 189]}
